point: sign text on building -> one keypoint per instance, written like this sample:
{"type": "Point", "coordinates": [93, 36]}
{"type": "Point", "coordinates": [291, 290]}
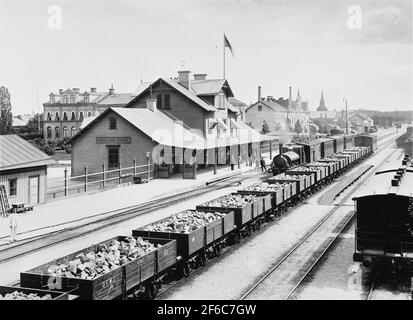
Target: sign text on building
{"type": "Point", "coordinates": [113, 140]}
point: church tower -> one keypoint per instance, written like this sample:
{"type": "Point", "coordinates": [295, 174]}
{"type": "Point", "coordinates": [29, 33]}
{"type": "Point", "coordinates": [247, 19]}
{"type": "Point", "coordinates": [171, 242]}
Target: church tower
{"type": "Point", "coordinates": [322, 106]}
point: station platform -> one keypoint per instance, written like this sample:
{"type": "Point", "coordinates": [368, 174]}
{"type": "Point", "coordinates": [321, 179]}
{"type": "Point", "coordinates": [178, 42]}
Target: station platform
{"type": "Point", "coordinates": [56, 215]}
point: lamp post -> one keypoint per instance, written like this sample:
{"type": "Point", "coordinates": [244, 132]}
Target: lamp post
{"type": "Point", "coordinates": [345, 100]}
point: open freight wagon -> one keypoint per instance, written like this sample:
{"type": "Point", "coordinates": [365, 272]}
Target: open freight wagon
{"type": "Point", "coordinates": [245, 215]}
{"type": "Point", "coordinates": [41, 294]}
{"type": "Point", "coordinates": [192, 246]}
{"type": "Point", "coordinates": [139, 273]}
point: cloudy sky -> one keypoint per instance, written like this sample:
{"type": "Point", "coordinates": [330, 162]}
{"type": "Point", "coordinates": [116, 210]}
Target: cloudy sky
{"type": "Point", "coordinates": [308, 44]}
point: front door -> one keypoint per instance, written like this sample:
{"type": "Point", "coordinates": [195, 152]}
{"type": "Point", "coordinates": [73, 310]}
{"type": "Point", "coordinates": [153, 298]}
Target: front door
{"type": "Point", "coordinates": [34, 190]}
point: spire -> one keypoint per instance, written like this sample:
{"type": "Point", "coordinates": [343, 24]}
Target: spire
{"type": "Point", "coordinates": [322, 106]}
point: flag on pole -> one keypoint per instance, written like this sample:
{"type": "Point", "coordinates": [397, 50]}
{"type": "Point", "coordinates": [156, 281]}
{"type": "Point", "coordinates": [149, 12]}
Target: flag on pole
{"type": "Point", "coordinates": [227, 44]}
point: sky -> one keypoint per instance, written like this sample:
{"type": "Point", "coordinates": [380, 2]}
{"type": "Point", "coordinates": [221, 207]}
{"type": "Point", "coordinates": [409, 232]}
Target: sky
{"type": "Point", "coordinates": [355, 49]}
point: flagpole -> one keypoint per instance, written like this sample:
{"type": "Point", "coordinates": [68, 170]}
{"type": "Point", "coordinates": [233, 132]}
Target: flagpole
{"type": "Point", "coordinates": [223, 51]}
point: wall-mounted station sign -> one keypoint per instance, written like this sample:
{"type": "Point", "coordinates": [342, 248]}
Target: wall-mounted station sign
{"type": "Point", "coordinates": [113, 140]}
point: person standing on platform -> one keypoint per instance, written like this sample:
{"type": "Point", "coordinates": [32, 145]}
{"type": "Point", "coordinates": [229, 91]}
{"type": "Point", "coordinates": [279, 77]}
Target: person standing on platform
{"type": "Point", "coordinates": [263, 165]}
{"type": "Point", "coordinates": [257, 162]}
{"type": "Point", "coordinates": [13, 225]}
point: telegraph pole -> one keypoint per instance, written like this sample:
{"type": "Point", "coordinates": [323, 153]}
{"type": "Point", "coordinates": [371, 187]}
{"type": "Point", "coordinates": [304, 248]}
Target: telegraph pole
{"type": "Point", "coordinates": [344, 99]}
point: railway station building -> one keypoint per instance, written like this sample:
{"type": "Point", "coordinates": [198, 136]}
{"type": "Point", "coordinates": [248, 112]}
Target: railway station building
{"type": "Point", "coordinates": [179, 125]}
{"type": "Point", "coordinates": [23, 169]}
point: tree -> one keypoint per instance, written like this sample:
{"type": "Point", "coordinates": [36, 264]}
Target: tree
{"type": "Point", "coordinates": [6, 117]}
{"type": "Point", "coordinates": [33, 123]}
{"type": "Point", "coordinates": [297, 127]}
{"type": "Point", "coordinates": [265, 129]}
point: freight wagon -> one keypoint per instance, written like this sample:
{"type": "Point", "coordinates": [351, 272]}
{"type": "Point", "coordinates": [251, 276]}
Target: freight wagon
{"type": "Point", "coordinates": [180, 249]}
{"type": "Point", "coordinates": [384, 219]}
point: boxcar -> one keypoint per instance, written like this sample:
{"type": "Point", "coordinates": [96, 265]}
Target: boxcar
{"type": "Point", "coordinates": [384, 222]}
{"type": "Point", "coordinates": [327, 147]}
{"type": "Point", "coordinates": [312, 150]}
{"type": "Point", "coordinates": [338, 143]}
{"type": "Point", "coordinates": [366, 140]}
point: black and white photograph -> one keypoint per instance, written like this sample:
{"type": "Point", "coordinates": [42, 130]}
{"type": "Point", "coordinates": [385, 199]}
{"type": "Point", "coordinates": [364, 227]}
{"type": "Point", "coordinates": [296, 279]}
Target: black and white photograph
{"type": "Point", "coordinates": [227, 152]}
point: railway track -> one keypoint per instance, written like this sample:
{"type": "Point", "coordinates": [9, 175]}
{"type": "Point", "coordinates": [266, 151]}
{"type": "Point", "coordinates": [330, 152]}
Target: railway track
{"type": "Point", "coordinates": [279, 282]}
{"type": "Point", "coordinates": [78, 228]}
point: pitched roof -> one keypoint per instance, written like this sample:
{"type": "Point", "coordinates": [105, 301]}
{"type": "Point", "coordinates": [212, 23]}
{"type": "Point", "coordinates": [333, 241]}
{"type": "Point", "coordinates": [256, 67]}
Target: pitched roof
{"type": "Point", "coordinates": [16, 153]}
{"type": "Point", "coordinates": [270, 104]}
{"type": "Point", "coordinates": [187, 93]}
{"type": "Point", "coordinates": [211, 87]}
{"type": "Point", "coordinates": [144, 120]}
{"type": "Point", "coordinates": [117, 99]}
{"type": "Point", "coordinates": [236, 103]}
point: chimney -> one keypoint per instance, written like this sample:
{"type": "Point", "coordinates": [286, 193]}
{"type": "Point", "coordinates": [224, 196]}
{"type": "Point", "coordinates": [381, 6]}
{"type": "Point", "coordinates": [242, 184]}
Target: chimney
{"type": "Point", "coordinates": [183, 79]}
{"type": "Point", "coordinates": [111, 90]}
{"type": "Point", "coordinates": [270, 98]}
{"type": "Point", "coordinates": [259, 93]}
{"type": "Point", "coordinates": [76, 90]}
{"type": "Point", "coordinates": [151, 104]}
{"type": "Point", "coordinates": [93, 90]}
{"type": "Point", "coordinates": [290, 93]}
{"type": "Point", "coordinates": [60, 91]}
{"type": "Point", "coordinates": [200, 76]}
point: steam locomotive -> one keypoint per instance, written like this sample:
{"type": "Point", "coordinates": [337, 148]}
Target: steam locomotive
{"type": "Point", "coordinates": [295, 154]}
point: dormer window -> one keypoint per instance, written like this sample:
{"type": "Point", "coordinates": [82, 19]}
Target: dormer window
{"type": "Point", "coordinates": [112, 123]}
{"type": "Point", "coordinates": [220, 101]}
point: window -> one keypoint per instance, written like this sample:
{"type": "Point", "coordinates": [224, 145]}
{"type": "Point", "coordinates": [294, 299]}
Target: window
{"type": "Point", "coordinates": [12, 187]}
{"type": "Point", "coordinates": [72, 98]}
{"type": "Point", "coordinates": [167, 98]}
{"type": "Point", "coordinates": [112, 123]}
{"type": "Point", "coordinates": [57, 133]}
{"type": "Point", "coordinates": [49, 132]}
{"type": "Point", "coordinates": [49, 117]}
{"type": "Point", "coordinates": [89, 114]}
{"type": "Point", "coordinates": [64, 116]}
{"type": "Point", "coordinates": [81, 116]}
{"type": "Point", "coordinates": [65, 99]}
{"type": "Point", "coordinates": [159, 101]}
{"type": "Point", "coordinates": [259, 108]}
{"type": "Point", "coordinates": [57, 116]}
{"type": "Point", "coordinates": [73, 117]}
{"type": "Point", "coordinates": [64, 132]}
{"type": "Point", "coordinates": [113, 157]}
{"type": "Point", "coordinates": [72, 131]}
{"type": "Point", "coordinates": [86, 99]}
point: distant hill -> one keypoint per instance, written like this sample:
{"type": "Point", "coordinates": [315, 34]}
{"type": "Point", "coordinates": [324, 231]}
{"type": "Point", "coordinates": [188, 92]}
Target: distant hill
{"type": "Point", "coordinates": [401, 115]}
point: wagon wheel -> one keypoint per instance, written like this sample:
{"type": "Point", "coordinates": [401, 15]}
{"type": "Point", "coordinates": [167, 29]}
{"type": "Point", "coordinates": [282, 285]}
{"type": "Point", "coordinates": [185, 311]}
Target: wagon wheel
{"type": "Point", "coordinates": [202, 259]}
{"type": "Point", "coordinates": [185, 269]}
{"type": "Point", "coordinates": [151, 290]}
{"type": "Point", "coordinates": [248, 231]}
{"type": "Point", "coordinates": [258, 224]}
{"type": "Point", "coordinates": [217, 250]}
{"type": "Point", "coordinates": [237, 238]}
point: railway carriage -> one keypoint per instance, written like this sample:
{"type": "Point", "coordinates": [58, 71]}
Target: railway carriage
{"type": "Point", "coordinates": [384, 218]}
